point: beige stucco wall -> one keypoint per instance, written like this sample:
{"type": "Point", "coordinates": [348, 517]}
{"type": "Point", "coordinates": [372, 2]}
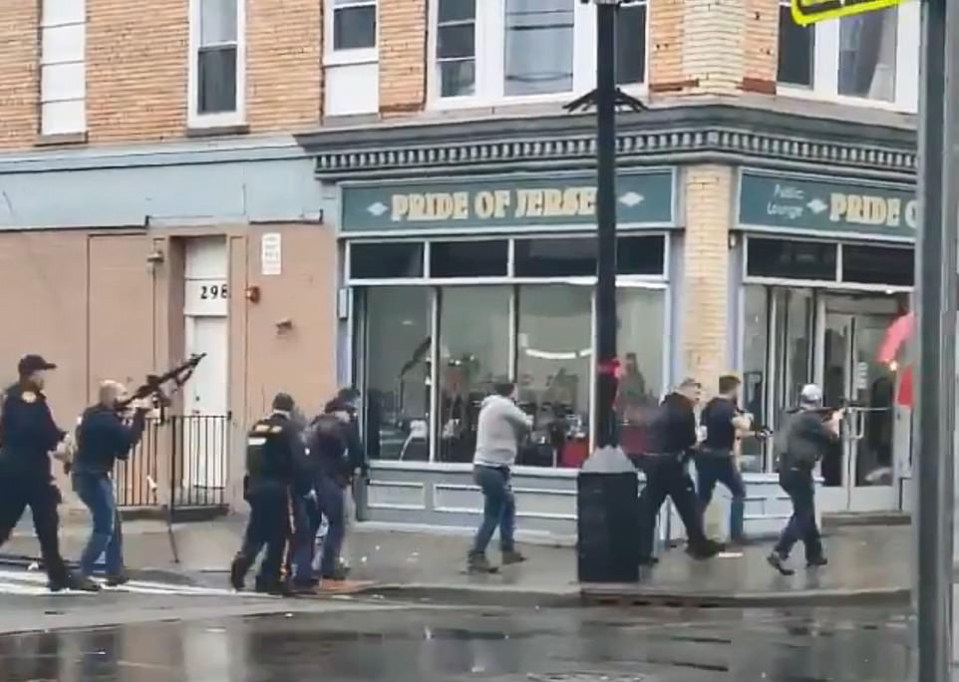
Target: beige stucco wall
{"type": "Point", "coordinates": [90, 301]}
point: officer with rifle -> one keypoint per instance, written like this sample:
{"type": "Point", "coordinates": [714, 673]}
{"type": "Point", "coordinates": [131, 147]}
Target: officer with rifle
{"type": "Point", "coordinates": [798, 446]}
{"type": "Point", "coordinates": [275, 473]}
{"type": "Point", "coordinates": [28, 436]}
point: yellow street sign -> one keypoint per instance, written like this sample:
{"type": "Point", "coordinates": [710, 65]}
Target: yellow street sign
{"type": "Point", "coordinates": [807, 12]}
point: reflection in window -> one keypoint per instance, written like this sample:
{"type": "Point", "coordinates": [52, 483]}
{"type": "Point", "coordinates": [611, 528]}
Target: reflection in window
{"type": "Point", "coordinates": [387, 260]}
{"type": "Point", "coordinates": [469, 258]}
{"type": "Point", "coordinates": [867, 54]}
{"type": "Point", "coordinates": [564, 257]}
{"type": "Point", "coordinates": [539, 46]}
{"type": "Point", "coordinates": [398, 372]}
{"type": "Point", "coordinates": [755, 330]}
{"type": "Point", "coordinates": [456, 47]}
{"type": "Point", "coordinates": [640, 342]}
{"type": "Point", "coordinates": [554, 365]}
{"type": "Point", "coordinates": [474, 353]}
{"type": "Point", "coordinates": [791, 259]}
{"type": "Point", "coordinates": [796, 49]}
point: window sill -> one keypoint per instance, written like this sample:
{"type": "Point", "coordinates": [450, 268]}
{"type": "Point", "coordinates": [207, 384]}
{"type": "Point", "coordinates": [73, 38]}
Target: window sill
{"type": "Point", "coordinates": [800, 92]}
{"type": "Point", "coordinates": [440, 104]}
{"type": "Point", "coordinates": [216, 130]}
{"type": "Point", "coordinates": [61, 139]}
{"type": "Point", "coordinates": [351, 57]}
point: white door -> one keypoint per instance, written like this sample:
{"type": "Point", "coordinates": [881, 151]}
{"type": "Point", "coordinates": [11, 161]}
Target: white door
{"type": "Point", "coordinates": [205, 432]}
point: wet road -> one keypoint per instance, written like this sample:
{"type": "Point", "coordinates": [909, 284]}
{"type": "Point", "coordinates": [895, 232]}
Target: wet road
{"type": "Point", "coordinates": [427, 645]}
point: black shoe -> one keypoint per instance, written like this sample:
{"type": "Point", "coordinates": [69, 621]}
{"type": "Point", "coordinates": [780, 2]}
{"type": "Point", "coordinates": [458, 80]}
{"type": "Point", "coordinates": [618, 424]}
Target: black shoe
{"type": "Point", "coordinates": [117, 580]}
{"type": "Point", "coordinates": [79, 583]}
{"type": "Point", "coordinates": [280, 589]}
{"type": "Point", "coordinates": [303, 588]}
{"type": "Point", "coordinates": [777, 561]}
{"type": "Point", "coordinates": [705, 551]}
{"type": "Point", "coordinates": [337, 575]}
{"type": "Point", "coordinates": [238, 575]}
{"type": "Point", "coordinates": [817, 562]}
{"type": "Point", "coordinates": [648, 561]}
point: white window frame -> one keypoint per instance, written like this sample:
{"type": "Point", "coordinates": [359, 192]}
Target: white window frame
{"type": "Point", "coordinates": [45, 61]}
{"type": "Point", "coordinates": [825, 70]}
{"type": "Point", "coordinates": [491, 56]}
{"type": "Point", "coordinates": [363, 55]}
{"type": "Point", "coordinates": [227, 118]}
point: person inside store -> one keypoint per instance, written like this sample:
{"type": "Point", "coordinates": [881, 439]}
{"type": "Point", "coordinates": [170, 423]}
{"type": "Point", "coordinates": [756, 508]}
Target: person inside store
{"type": "Point", "coordinates": [275, 460]}
{"type": "Point", "coordinates": [502, 425]}
{"type": "Point", "coordinates": [103, 437]}
{"type": "Point", "coordinates": [716, 461]}
{"type": "Point", "coordinates": [672, 437]}
{"type": "Point", "coordinates": [634, 402]}
{"type": "Point", "coordinates": [800, 444]}
{"type": "Point", "coordinates": [28, 436]}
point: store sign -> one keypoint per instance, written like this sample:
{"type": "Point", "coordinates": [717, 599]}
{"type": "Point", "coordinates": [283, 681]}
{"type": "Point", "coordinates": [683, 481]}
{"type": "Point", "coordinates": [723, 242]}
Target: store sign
{"type": "Point", "coordinates": [821, 205]}
{"type": "Point", "coordinates": [557, 200]}
{"type": "Point", "coordinates": [806, 12]}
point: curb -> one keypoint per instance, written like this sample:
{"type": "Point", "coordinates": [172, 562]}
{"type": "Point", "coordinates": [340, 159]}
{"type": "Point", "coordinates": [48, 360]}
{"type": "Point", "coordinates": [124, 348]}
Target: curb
{"type": "Point", "coordinates": [454, 595]}
{"type": "Point", "coordinates": [146, 574]}
{"type": "Point", "coordinates": [837, 597]}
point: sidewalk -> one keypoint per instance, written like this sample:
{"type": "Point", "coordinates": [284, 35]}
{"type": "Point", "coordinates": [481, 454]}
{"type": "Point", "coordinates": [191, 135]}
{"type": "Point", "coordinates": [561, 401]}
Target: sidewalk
{"type": "Point", "coordinates": [867, 564]}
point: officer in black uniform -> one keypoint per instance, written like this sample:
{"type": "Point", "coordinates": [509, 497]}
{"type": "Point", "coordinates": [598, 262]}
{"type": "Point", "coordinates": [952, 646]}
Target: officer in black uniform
{"type": "Point", "coordinates": [275, 464]}
{"type": "Point", "coordinates": [28, 435]}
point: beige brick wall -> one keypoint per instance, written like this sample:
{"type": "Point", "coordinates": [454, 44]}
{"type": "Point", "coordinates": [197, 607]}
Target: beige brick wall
{"type": "Point", "coordinates": [665, 45]}
{"type": "Point", "coordinates": [402, 49]}
{"type": "Point", "coordinates": [19, 85]}
{"type": "Point", "coordinates": [136, 70]}
{"type": "Point", "coordinates": [761, 42]}
{"type": "Point", "coordinates": [712, 45]}
{"type": "Point", "coordinates": [708, 191]}
{"type": "Point", "coordinates": [284, 74]}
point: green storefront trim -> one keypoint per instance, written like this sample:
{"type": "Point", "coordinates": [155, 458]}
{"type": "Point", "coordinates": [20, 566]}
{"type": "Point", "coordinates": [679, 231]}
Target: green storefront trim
{"type": "Point", "coordinates": [809, 204]}
{"type": "Point", "coordinates": [557, 200]}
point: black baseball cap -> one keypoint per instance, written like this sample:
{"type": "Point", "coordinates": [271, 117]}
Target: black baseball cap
{"type": "Point", "coordinates": [32, 363]}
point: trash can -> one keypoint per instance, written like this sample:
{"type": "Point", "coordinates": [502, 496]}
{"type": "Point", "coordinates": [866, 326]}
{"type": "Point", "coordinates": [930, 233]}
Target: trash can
{"type": "Point", "coordinates": [606, 527]}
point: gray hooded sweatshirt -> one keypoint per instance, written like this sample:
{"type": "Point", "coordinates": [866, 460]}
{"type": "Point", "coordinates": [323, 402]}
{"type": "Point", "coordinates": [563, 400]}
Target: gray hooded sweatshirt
{"type": "Point", "coordinates": [501, 425]}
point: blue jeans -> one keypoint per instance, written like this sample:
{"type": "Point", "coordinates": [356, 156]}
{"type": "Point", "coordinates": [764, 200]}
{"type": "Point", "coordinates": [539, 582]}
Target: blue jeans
{"type": "Point", "coordinates": [802, 526]}
{"type": "Point", "coordinates": [306, 522]}
{"type": "Point", "coordinates": [96, 492]}
{"type": "Point", "coordinates": [712, 469]}
{"type": "Point", "coordinates": [499, 509]}
{"type": "Point", "coordinates": [329, 497]}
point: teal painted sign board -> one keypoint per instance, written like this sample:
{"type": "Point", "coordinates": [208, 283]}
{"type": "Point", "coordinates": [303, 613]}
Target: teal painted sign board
{"type": "Point", "coordinates": [559, 200]}
{"type": "Point", "coordinates": [826, 205]}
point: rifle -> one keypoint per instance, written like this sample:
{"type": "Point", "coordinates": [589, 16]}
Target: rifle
{"type": "Point", "coordinates": [154, 384]}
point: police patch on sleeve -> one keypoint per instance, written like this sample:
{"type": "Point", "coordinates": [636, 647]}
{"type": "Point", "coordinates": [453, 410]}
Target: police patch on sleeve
{"type": "Point", "coordinates": [28, 397]}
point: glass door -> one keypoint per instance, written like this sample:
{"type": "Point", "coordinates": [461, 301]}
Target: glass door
{"type": "Point", "coordinates": [858, 474]}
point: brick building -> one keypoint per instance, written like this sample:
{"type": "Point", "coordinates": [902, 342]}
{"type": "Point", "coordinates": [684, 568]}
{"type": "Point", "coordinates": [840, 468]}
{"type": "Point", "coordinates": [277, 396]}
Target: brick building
{"type": "Point", "coordinates": [434, 206]}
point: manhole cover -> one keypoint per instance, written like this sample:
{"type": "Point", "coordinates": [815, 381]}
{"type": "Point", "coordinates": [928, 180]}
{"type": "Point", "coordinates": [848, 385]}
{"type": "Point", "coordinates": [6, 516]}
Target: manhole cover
{"type": "Point", "coordinates": [587, 677]}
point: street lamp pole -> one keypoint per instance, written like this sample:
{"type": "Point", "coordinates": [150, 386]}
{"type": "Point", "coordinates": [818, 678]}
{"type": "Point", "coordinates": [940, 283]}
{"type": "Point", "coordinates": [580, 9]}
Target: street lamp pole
{"type": "Point", "coordinates": [606, 320]}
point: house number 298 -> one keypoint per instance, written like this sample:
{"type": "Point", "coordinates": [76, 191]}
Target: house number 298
{"type": "Point", "coordinates": [211, 292]}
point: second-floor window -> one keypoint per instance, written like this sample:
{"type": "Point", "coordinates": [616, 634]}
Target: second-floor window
{"type": "Point", "coordinates": [63, 67]}
{"type": "Point", "coordinates": [870, 58]}
{"type": "Point", "coordinates": [217, 62]}
{"type": "Point", "coordinates": [484, 51]}
{"type": "Point", "coordinates": [354, 24]}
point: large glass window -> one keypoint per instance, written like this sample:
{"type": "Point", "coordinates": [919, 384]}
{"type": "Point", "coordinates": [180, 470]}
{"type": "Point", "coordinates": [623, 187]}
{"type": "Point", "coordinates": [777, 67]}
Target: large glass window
{"type": "Point", "coordinates": [791, 259]}
{"type": "Point", "coordinates": [474, 353]}
{"type": "Point", "coordinates": [469, 259]}
{"type": "Point", "coordinates": [554, 366]}
{"type": "Point", "coordinates": [796, 49]}
{"type": "Point", "coordinates": [456, 47]}
{"type": "Point", "coordinates": [642, 380]}
{"type": "Point", "coordinates": [399, 343]}
{"type": "Point", "coordinates": [539, 46]}
{"type": "Point", "coordinates": [755, 340]}
{"type": "Point", "coordinates": [354, 24]}
{"type": "Point", "coordinates": [868, 264]}
{"type": "Point", "coordinates": [867, 55]}
{"type": "Point", "coordinates": [631, 44]}
{"type": "Point", "coordinates": [217, 59]}
{"type": "Point", "coordinates": [387, 260]}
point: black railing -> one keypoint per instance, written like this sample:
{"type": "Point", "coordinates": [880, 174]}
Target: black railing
{"type": "Point", "coordinates": [181, 462]}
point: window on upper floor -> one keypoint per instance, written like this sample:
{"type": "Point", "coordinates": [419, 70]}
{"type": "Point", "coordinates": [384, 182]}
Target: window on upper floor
{"type": "Point", "coordinates": [354, 24]}
{"type": "Point", "coordinates": [63, 67]}
{"type": "Point", "coordinates": [870, 58]}
{"type": "Point", "coordinates": [217, 62]}
{"type": "Point", "coordinates": [486, 51]}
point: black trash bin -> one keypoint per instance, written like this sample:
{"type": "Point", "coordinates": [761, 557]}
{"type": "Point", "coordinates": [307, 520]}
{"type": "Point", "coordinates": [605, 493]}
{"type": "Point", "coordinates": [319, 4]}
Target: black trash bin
{"type": "Point", "coordinates": [607, 527]}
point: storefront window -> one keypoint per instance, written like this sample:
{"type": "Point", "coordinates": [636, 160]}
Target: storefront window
{"type": "Point", "coordinates": [641, 383]}
{"type": "Point", "coordinates": [755, 330]}
{"type": "Point", "coordinates": [474, 352]}
{"type": "Point", "coordinates": [554, 365]}
{"type": "Point", "coordinates": [398, 350]}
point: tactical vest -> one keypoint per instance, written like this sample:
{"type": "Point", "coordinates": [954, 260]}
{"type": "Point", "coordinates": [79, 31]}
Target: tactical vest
{"type": "Point", "coordinates": [257, 462]}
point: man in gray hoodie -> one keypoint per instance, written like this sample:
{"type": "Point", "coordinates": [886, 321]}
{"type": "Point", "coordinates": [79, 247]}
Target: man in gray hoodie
{"type": "Point", "coordinates": [501, 426]}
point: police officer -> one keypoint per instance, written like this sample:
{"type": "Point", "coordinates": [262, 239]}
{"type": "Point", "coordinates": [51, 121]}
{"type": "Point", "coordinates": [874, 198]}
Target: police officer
{"type": "Point", "coordinates": [671, 438]}
{"type": "Point", "coordinates": [799, 445]}
{"type": "Point", "coordinates": [28, 435]}
{"type": "Point", "coordinates": [274, 474]}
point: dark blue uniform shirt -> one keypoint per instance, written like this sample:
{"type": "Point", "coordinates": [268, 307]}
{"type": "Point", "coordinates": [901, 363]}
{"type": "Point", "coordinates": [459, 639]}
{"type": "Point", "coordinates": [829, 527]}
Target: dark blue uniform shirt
{"type": "Point", "coordinates": [103, 438]}
{"type": "Point", "coordinates": [27, 433]}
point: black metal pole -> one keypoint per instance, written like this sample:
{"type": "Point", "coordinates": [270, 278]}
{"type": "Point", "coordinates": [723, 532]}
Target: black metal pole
{"type": "Point", "coordinates": [936, 360]}
{"type": "Point", "coordinates": [606, 320]}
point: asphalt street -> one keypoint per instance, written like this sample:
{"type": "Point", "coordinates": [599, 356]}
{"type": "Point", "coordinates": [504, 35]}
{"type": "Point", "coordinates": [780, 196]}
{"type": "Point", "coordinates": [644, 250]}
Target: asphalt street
{"type": "Point", "coordinates": [150, 632]}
